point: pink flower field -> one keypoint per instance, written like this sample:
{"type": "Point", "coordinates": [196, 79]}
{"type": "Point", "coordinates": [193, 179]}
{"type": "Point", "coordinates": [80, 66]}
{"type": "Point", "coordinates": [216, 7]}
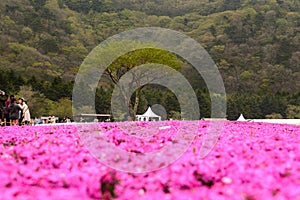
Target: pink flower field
{"type": "Point", "coordinates": [250, 161]}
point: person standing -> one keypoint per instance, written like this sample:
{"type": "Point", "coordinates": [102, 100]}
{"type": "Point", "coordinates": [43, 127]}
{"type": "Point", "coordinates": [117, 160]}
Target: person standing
{"type": "Point", "coordinates": [14, 112]}
{"type": "Point", "coordinates": [25, 119]}
{"type": "Point", "coordinates": [2, 106]}
{"type": "Point", "coordinates": [6, 113]}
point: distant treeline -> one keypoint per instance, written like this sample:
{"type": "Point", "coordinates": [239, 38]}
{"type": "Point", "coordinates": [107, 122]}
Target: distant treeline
{"type": "Point", "coordinates": [54, 98]}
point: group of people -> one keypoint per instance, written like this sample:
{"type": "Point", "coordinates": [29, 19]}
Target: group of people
{"type": "Point", "coordinates": [15, 111]}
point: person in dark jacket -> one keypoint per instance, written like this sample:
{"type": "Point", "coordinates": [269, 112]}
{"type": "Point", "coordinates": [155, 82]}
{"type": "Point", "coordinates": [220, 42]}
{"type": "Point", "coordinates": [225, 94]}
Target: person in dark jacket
{"type": "Point", "coordinates": [2, 106]}
{"type": "Point", "coordinates": [7, 103]}
{"type": "Point", "coordinates": [14, 112]}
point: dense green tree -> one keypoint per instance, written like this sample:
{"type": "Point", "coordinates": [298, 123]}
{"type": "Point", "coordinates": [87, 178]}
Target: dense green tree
{"type": "Point", "coordinates": [62, 108]}
{"type": "Point", "coordinates": [136, 58]}
{"type": "Point", "coordinates": [103, 100]}
{"type": "Point", "coordinates": [293, 112]}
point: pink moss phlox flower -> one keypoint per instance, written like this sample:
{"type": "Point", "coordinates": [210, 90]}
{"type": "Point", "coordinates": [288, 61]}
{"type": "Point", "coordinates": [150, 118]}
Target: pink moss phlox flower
{"type": "Point", "coordinates": [249, 161]}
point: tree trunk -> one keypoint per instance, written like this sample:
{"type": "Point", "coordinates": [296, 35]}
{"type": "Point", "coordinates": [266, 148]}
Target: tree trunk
{"type": "Point", "coordinates": [136, 102]}
{"type": "Point", "coordinates": [131, 111]}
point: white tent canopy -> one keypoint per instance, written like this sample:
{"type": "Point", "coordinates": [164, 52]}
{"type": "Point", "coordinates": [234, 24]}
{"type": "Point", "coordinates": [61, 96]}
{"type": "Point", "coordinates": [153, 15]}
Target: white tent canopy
{"type": "Point", "coordinates": [241, 118]}
{"type": "Point", "coordinates": [149, 115]}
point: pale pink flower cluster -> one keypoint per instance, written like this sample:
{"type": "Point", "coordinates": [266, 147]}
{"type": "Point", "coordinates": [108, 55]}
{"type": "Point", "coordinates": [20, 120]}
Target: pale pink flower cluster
{"type": "Point", "coordinates": [249, 161]}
